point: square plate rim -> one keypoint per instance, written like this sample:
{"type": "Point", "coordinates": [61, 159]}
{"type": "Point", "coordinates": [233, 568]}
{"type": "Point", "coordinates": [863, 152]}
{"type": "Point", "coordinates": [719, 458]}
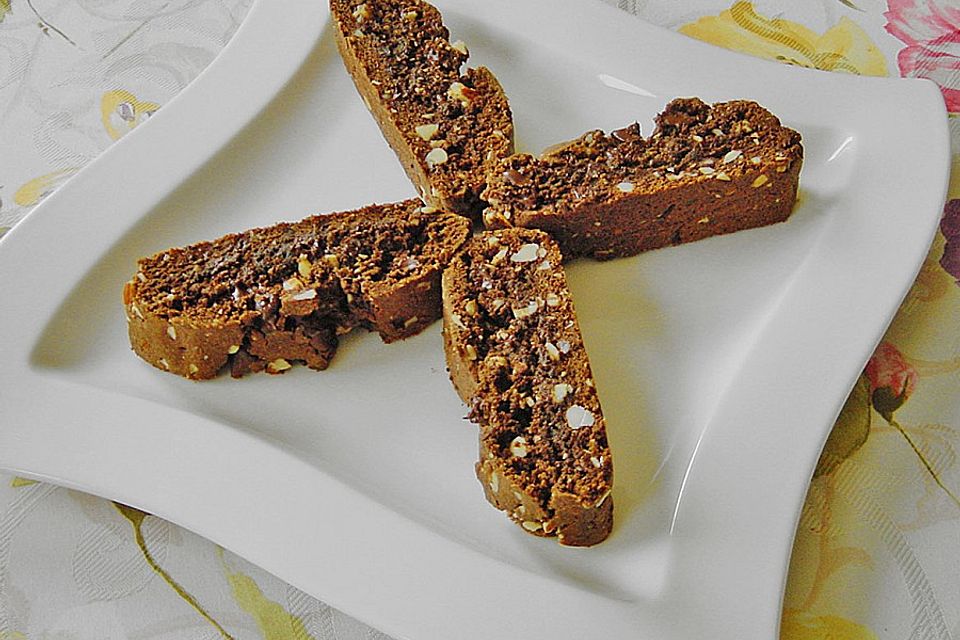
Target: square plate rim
{"type": "Point", "coordinates": [22, 449]}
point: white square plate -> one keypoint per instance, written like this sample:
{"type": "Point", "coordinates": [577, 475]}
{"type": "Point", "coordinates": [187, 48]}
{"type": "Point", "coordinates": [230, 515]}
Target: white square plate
{"type": "Point", "coordinates": [721, 365]}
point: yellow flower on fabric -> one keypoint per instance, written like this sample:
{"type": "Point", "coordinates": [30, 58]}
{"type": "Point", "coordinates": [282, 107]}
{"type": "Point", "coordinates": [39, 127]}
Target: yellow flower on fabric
{"type": "Point", "coordinates": [33, 191]}
{"type": "Point", "coordinates": [806, 626]}
{"type": "Point", "coordinates": [274, 621]}
{"type": "Point", "coordinates": [843, 47]}
{"type": "Point", "coordinates": [121, 111]}
{"type": "Point", "coordinates": [136, 519]}
{"type": "Point", "coordinates": [850, 430]}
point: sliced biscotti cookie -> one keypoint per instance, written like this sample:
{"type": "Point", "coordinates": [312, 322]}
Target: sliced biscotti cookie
{"type": "Point", "coordinates": [706, 170]}
{"type": "Point", "coordinates": [267, 297]}
{"type": "Point", "coordinates": [516, 357]}
{"type": "Point", "coordinates": [447, 126]}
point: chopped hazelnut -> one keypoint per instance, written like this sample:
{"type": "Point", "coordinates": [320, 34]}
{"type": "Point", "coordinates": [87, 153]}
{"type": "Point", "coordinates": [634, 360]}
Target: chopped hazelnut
{"type": "Point", "coordinates": [278, 365]}
{"type": "Point", "coordinates": [528, 310]}
{"type": "Point", "coordinates": [427, 131]}
{"type": "Point", "coordinates": [561, 391]}
{"type": "Point", "coordinates": [292, 284]}
{"type": "Point", "coordinates": [731, 156]}
{"type": "Point", "coordinates": [526, 253]}
{"type": "Point", "coordinates": [304, 267]}
{"type": "Point", "coordinates": [578, 416]}
{"type": "Point", "coordinates": [435, 157]}
{"type": "Point", "coordinates": [306, 294]}
{"type": "Point", "coordinates": [361, 12]}
{"type": "Point", "coordinates": [552, 351]}
{"type": "Point", "coordinates": [518, 447]}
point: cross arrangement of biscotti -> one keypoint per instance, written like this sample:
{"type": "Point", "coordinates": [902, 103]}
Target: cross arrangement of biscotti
{"type": "Point", "coordinates": [264, 299]}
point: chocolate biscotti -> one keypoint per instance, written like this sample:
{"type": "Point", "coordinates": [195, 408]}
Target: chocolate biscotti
{"type": "Point", "coordinates": [264, 298]}
{"type": "Point", "coordinates": [706, 170]}
{"type": "Point", "coordinates": [446, 126]}
{"type": "Point", "coordinates": [516, 357]}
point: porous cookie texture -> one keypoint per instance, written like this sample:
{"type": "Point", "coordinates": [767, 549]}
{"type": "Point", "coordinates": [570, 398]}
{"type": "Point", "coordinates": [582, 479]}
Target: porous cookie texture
{"type": "Point", "coordinates": [516, 357]}
{"type": "Point", "coordinates": [706, 170]}
{"type": "Point", "coordinates": [448, 127]}
{"type": "Point", "coordinates": [266, 298]}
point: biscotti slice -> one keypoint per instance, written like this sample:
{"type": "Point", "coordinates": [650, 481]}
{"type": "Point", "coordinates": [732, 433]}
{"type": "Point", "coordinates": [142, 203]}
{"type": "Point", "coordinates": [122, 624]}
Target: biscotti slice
{"type": "Point", "coordinates": [516, 357]}
{"type": "Point", "coordinates": [447, 127]}
{"type": "Point", "coordinates": [264, 298]}
{"type": "Point", "coordinates": [706, 170]}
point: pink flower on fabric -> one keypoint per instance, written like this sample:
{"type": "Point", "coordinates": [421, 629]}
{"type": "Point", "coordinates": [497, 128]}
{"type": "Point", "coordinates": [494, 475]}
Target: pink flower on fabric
{"type": "Point", "coordinates": [919, 21]}
{"type": "Point", "coordinates": [931, 31]}
{"type": "Point", "coordinates": [941, 66]}
{"type": "Point", "coordinates": [950, 227]}
{"type": "Point", "coordinates": [892, 379]}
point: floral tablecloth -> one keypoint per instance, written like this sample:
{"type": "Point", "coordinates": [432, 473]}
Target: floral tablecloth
{"type": "Point", "coordinates": [877, 552]}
